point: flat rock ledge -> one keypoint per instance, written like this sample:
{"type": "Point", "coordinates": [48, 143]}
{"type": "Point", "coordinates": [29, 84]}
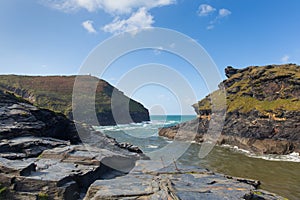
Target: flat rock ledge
{"type": "Point", "coordinates": [61, 171]}
{"type": "Point", "coordinates": [176, 182]}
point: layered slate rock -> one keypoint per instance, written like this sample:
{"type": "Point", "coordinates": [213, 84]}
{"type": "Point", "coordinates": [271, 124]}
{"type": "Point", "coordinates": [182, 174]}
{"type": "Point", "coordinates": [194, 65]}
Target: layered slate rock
{"type": "Point", "coordinates": [175, 182]}
{"type": "Point", "coordinates": [262, 111]}
{"type": "Point", "coordinates": [27, 147]}
{"type": "Point", "coordinates": [20, 118]}
{"type": "Point", "coordinates": [55, 93]}
{"type": "Point", "coordinates": [42, 157]}
{"type": "Point", "coordinates": [63, 172]}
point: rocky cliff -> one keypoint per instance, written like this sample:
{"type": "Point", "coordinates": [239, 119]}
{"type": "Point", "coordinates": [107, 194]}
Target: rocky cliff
{"type": "Point", "coordinates": [20, 118]}
{"type": "Point", "coordinates": [55, 93]}
{"type": "Point", "coordinates": [41, 158]}
{"type": "Point", "coordinates": [262, 110]}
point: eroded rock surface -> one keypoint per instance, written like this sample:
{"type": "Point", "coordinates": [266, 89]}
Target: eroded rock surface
{"type": "Point", "coordinates": [262, 111]}
{"type": "Point", "coordinates": [63, 172]}
{"type": "Point", "coordinates": [20, 118]}
{"type": "Point", "coordinates": [42, 157]}
{"type": "Point", "coordinates": [175, 182]}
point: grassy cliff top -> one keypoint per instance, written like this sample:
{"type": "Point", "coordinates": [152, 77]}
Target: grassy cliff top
{"type": "Point", "coordinates": [55, 92]}
{"type": "Point", "coordinates": [267, 89]}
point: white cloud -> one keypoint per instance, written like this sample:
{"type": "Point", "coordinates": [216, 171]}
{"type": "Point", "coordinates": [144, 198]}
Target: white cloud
{"type": "Point", "coordinates": [205, 9]}
{"type": "Point", "coordinates": [285, 59]}
{"type": "Point", "coordinates": [210, 27]}
{"type": "Point", "coordinates": [88, 25]}
{"type": "Point", "coordinates": [138, 20]}
{"type": "Point", "coordinates": [113, 7]}
{"type": "Point", "coordinates": [224, 12]}
{"type": "Point", "coordinates": [137, 9]}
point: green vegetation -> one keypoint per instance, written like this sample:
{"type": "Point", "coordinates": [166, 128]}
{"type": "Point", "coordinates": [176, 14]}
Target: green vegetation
{"type": "Point", "coordinates": [43, 196]}
{"type": "Point", "coordinates": [268, 89]}
{"type": "Point", "coordinates": [55, 92]}
{"type": "Point", "coordinates": [3, 191]}
{"type": "Point", "coordinates": [257, 193]}
{"type": "Point", "coordinates": [246, 104]}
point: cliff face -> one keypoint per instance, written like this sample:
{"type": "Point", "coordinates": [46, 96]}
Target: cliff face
{"type": "Point", "coordinates": [55, 93]}
{"type": "Point", "coordinates": [19, 118]}
{"type": "Point", "coordinates": [42, 157]}
{"type": "Point", "coordinates": [263, 109]}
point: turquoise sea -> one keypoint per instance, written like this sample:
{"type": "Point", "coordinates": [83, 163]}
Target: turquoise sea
{"type": "Point", "coordinates": [278, 174]}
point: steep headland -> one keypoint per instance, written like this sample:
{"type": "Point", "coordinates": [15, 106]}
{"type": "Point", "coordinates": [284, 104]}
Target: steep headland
{"type": "Point", "coordinates": [262, 110]}
{"type": "Point", "coordinates": [55, 93]}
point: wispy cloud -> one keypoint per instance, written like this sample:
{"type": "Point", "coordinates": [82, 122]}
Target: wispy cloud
{"type": "Point", "coordinates": [113, 7]}
{"type": "Point", "coordinates": [88, 25]}
{"type": "Point", "coordinates": [211, 26]}
{"type": "Point", "coordinates": [285, 59]}
{"type": "Point", "coordinates": [205, 9]}
{"type": "Point", "coordinates": [138, 20]}
{"type": "Point", "coordinates": [224, 12]}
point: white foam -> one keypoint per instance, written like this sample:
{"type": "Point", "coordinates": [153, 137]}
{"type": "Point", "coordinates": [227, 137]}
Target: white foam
{"type": "Point", "coordinates": [226, 145]}
{"type": "Point", "coordinates": [152, 146]}
{"type": "Point", "coordinates": [293, 157]}
{"type": "Point", "coordinates": [241, 150]}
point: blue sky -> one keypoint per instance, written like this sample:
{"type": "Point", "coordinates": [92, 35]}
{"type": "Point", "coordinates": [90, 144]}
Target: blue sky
{"type": "Point", "coordinates": [53, 37]}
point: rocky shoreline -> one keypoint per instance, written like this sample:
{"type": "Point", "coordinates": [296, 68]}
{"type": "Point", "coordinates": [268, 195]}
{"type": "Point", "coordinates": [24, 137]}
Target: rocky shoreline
{"type": "Point", "coordinates": [262, 111]}
{"type": "Point", "coordinates": [42, 157]}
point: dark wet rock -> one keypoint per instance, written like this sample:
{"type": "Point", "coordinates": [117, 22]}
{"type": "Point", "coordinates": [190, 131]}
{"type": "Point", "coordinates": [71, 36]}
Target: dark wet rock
{"type": "Point", "coordinates": [27, 147]}
{"type": "Point", "coordinates": [129, 147]}
{"type": "Point", "coordinates": [262, 195]}
{"type": "Point", "coordinates": [258, 135]}
{"type": "Point", "coordinates": [20, 118]}
{"type": "Point", "coordinates": [34, 164]}
{"type": "Point", "coordinates": [174, 182]}
{"type": "Point", "coordinates": [229, 71]}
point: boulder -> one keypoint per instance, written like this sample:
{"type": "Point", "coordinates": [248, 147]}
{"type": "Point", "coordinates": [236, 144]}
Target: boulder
{"type": "Point", "coordinates": [230, 71]}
